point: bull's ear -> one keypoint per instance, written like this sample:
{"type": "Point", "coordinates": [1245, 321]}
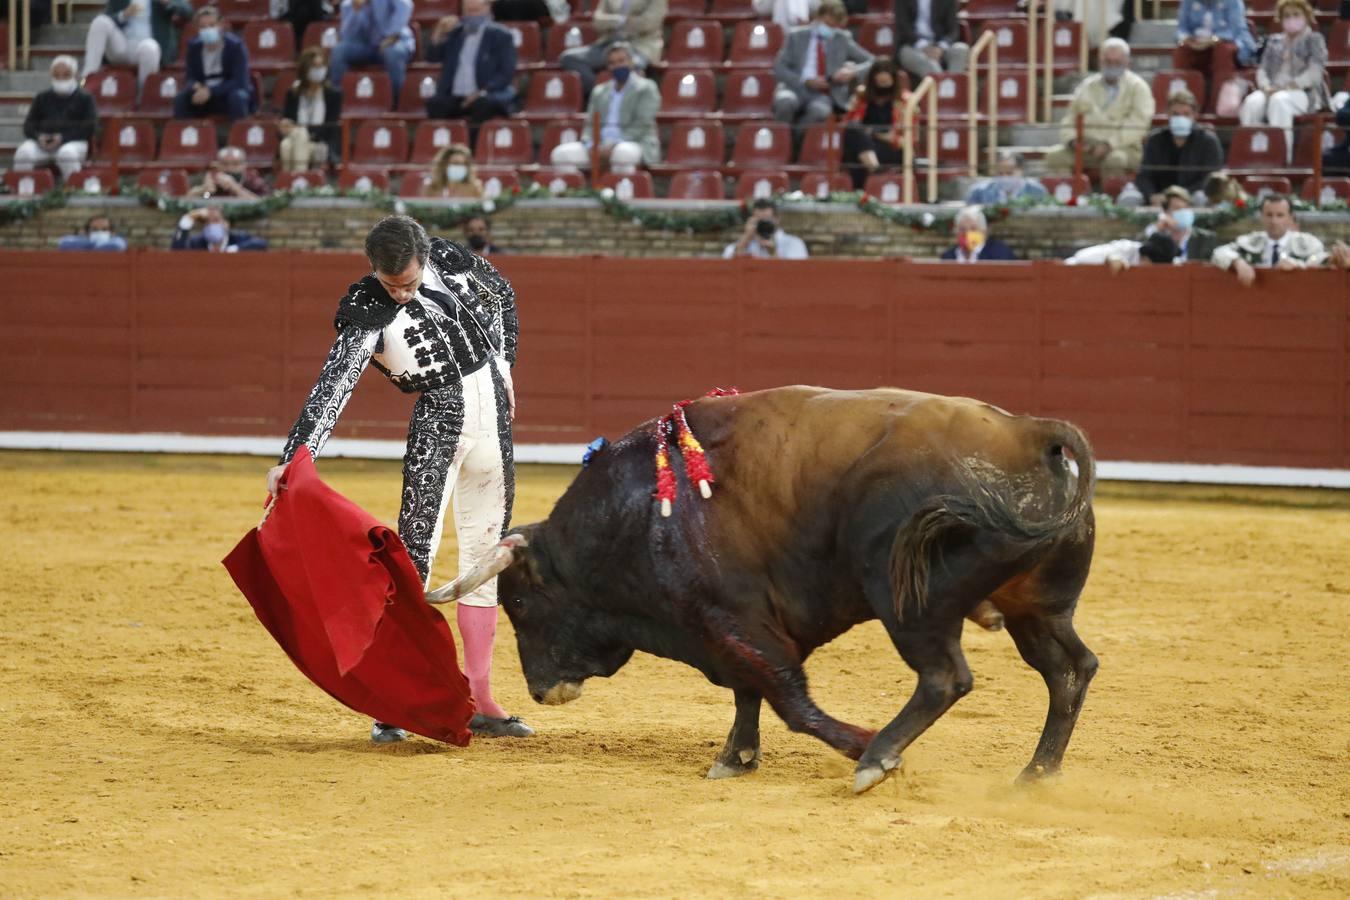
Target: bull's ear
{"type": "Point", "coordinates": [528, 555]}
{"type": "Point", "coordinates": [502, 556]}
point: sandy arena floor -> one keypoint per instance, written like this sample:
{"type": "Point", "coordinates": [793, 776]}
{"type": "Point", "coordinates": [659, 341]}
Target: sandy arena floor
{"type": "Point", "coordinates": [158, 742]}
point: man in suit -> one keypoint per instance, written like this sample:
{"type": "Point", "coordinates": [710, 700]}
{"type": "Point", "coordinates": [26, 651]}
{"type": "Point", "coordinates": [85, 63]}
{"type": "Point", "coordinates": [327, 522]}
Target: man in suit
{"type": "Point", "coordinates": [929, 37]}
{"type": "Point", "coordinates": [1117, 108]}
{"type": "Point", "coordinates": [1179, 153]}
{"type": "Point", "coordinates": [374, 32]}
{"type": "Point", "coordinates": [973, 243]}
{"type": "Point", "coordinates": [478, 67]}
{"type": "Point", "coordinates": [816, 68]}
{"type": "Point", "coordinates": [218, 79]}
{"type": "Point", "coordinates": [639, 23]}
{"type": "Point", "coordinates": [628, 104]}
{"type": "Point", "coordinates": [216, 236]}
{"type": "Point", "coordinates": [1177, 221]}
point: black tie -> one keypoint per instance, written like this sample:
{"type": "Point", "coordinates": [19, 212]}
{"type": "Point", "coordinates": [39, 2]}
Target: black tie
{"type": "Point", "coordinates": [1275, 254]}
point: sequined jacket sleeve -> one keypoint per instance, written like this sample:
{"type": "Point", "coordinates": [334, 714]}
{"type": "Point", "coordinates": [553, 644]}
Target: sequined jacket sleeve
{"type": "Point", "coordinates": [351, 353]}
{"type": "Point", "coordinates": [500, 299]}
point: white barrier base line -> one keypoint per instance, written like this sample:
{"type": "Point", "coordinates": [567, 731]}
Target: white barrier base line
{"type": "Point", "coordinates": [570, 454]}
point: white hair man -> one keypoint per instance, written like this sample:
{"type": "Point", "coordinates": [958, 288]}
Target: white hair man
{"type": "Point", "coordinates": [59, 124]}
{"type": "Point", "coordinates": [973, 243]}
{"type": "Point", "coordinates": [628, 104]}
{"type": "Point", "coordinates": [1117, 109]}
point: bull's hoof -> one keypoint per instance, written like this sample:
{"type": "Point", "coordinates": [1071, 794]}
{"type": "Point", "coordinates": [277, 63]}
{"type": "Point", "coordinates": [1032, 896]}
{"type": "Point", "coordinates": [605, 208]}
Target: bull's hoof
{"type": "Point", "coordinates": [868, 776]}
{"type": "Point", "coordinates": [734, 765]}
{"type": "Point", "coordinates": [1036, 772]}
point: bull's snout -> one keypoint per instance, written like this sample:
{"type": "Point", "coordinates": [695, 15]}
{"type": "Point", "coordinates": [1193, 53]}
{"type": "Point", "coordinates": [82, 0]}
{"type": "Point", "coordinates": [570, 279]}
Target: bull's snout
{"type": "Point", "coordinates": [560, 693]}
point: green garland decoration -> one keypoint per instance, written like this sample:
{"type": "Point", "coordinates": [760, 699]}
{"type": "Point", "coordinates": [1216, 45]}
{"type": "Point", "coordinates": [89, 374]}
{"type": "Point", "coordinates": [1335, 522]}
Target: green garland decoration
{"type": "Point", "coordinates": [20, 210]}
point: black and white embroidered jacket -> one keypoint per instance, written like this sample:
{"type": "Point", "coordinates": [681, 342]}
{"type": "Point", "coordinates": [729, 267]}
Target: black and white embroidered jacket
{"type": "Point", "coordinates": [463, 318]}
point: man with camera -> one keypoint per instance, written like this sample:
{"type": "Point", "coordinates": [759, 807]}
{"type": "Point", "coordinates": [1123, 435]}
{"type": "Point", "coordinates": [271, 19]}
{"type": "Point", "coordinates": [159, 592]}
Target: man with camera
{"type": "Point", "coordinates": [763, 238]}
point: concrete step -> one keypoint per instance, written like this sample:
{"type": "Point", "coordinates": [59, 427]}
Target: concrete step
{"type": "Point", "coordinates": [1034, 137]}
{"type": "Point", "coordinates": [21, 82]}
{"type": "Point", "coordinates": [40, 59]}
{"type": "Point", "coordinates": [62, 34]}
{"type": "Point", "coordinates": [1160, 33]}
{"type": "Point", "coordinates": [11, 132]}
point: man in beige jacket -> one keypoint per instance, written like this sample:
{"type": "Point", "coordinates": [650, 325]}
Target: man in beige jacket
{"type": "Point", "coordinates": [1117, 108]}
{"type": "Point", "coordinates": [639, 23]}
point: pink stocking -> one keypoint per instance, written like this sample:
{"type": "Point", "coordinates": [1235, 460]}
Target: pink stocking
{"type": "Point", "coordinates": [478, 628]}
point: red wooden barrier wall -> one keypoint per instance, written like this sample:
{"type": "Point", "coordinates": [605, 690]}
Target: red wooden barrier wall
{"type": "Point", "coordinates": [1174, 364]}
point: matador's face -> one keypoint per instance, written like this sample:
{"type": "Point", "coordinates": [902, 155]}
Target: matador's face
{"type": "Point", "coordinates": [403, 286]}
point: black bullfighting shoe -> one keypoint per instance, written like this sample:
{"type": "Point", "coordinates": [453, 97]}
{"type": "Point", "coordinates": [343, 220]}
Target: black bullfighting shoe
{"type": "Point", "coordinates": [381, 733]}
{"type": "Point", "coordinates": [487, 726]}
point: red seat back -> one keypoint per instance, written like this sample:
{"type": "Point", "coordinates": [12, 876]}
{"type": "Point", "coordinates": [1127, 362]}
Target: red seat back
{"type": "Point", "coordinates": [258, 138]}
{"type": "Point", "coordinates": [1256, 185]}
{"type": "Point", "coordinates": [1167, 82]}
{"type": "Point", "coordinates": [300, 181]}
{"type": "Point", "coordinates": [98, 179]}
{"type": "Point", "coordinates": [1065, 188]}
{"type": "Point", "coordinates": [696, 144]}
{"type": "Point", "coordinates": [1011, 37]}
{"type": "Point", "coordinates": [953, 95]}
{"type": "Point", "coordinates": [242, 11]}
{"type": "Point", "coordinates": [380, 143]}
{"type": "Point", "coordinates": [1333, 189]}
{"type": "Point", "coordinates": [688, 92]}
{"type": "Point", "coordinates": [320, 34]}
{"type": "Point", "coordinates": [190, 143]}
{"type": "Point", "coordinates": [878, 38]}
{"type": "Point", "coordinates": [762, 145]}
{"type": "Point", "coordinates": [158, 92]}
{"type": "Point", "coordinates": [418, 88]}
{"type": "Point", "coordinates": [820, 185]}
{"type": "Point", "coordinates": [749, 94]}
{"type": "Point", "coordinates": [685, 9]}
{"type": "Point", "coordinates": [30, 184]}
{"type": "Point", "coordinates": [888, 187]}
{"type": "Point", "coordinates": [366, 93]}
{"type": "Point", "coordinates": [355, 178]}
{"type": "Point", "coordinates": [505, 142]}
{"type": "Point", "coordinates": [816, 146]}
{"type": "Point", "coordinates": [755, 44]}
{"type": "Point", "coordinates": [696, 42]}
{"type": "Point", "coordinates": [567, 37]}
{"type": "Point", "coordinates": [760, 185]}
{"type": "Point", "coordinates": [529, 42]}
{"type": "Point", "coordinates": [637, 186]}
{"type": "Point", "coordinates": [732, 9]}
{"type": "Point", "coordinates": [1338, 44]}
{"type": "Point", "coordinates": [697, 185]}
{"type": "Point", "coordinates": [435, 134]}
{"type": "Point", "coordinates": [114, 91]}
{"type": "Point", "coordinates": [498, 180]}
{"type": "Point", "coordinates": [553, 94]}
{"type": "Point", "coordinates": [556, 133]}
{"type": "Point", "coordinates": [127, 141]}
{"type": "Point", "coordinates": [271, 44]}
{"type": "Point", "coordinates": [169, 181]}
{"type": "Point", "coordinates": [1257, 147]}
{"type": "Point", "coordinates": [559, 181]}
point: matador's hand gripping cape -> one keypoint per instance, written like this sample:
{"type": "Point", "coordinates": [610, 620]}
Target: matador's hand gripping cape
{"type": "Point", "coordinates": [339, 593]}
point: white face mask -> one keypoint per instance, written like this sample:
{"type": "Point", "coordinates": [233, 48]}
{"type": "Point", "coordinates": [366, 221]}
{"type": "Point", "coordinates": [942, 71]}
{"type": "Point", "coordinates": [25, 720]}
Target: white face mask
{"type": "Point", "coordinates": [100, 237]}
{"type": "Point", "coordinates": [317, 74]}
{"type": "Point", "coordinates": [64, 86]}
{"type": "Point", "coordinates": [456, 172]}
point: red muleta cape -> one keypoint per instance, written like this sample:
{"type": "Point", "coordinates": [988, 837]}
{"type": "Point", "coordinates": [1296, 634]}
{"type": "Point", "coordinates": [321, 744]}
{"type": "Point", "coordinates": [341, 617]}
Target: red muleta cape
{"type": "Point", "coordinates": [339, 593]}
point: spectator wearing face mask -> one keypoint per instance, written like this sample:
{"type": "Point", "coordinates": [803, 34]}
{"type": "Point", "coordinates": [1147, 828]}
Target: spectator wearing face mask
{"type": "Point", "coordinates": [762, 238]}
{"type": "Point", "coordinates": [1117, 108]}
{"type": "Point", "coordinates": [216, 236]}
{"type": "Point", "coordinates": [1213, 38]}
{"type": "Point", "coordinates": [452, 174]}
{"type": "Point", "coordinates": [218, 80]}
{"type": "Point", "coordinates": [311, 128]}
{"type": "Point", "coordinates": [143, 33]}
{"type": "Point", "coordinates": [1176, 219]}
{"type": "Point", "coordinates": [1008, 184]}
{"type": "Point", "coordinates": [929, 37]}
{"type": "Point", "coordinates": [98, 235]}
{"type": "Point", "coordinates": [628, 104]}
{"type": "Point", "coordinates": [873, 123]}
{"type": "Point", "coordinates": [59, 123]}
{"type": "Point", "coordinates": [973, 243]}
{"type": "Point", "coordinates": [816, 67]}
{"type": "Point", "coordinates": [637, 23]}
{"type": "Point", "coordinates": [478, 235]}
{"type": "Point", "coordinates": [478, 68]}
{"type": "Point", "coordinates": [1178, 154]}
{"type": "Point", "coordinates": [231, 176]}
{"type": "Point", "coordinates": [1292, 78]}
{"type": "Point", "coordinates": [1156, 249]}
{"type": "Point", "coordinates": [373, 33]}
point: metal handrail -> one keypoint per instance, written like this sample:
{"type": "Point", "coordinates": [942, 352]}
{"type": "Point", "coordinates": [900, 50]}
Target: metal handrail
{"type": "Point", "coordinates": [1099, 16]}
{"type": "Point", "coordinates": [988, 41]}
{"type": "Point", "coordinates": [17, 42]}
{"type": "Point", "coordinates": [1048, 61]}
{"type": "Point", "coordinates": [927, 89]}
{"type": "Point", "coordinates": [1033, 7]}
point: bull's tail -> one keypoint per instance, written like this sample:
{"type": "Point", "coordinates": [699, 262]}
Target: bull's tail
{"type": "Point", "coordinates": [987, 508]}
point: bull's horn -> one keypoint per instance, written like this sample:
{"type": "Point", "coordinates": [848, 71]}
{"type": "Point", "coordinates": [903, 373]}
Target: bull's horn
{"type": "Point", "coordinates": [498, 560]}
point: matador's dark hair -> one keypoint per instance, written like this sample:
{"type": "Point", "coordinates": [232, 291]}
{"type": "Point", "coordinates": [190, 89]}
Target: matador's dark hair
{"type": "Point", "coordinates": [394, 242]}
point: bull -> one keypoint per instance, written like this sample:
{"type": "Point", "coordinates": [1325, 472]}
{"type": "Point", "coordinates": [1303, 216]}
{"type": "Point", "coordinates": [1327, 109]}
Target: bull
{"type": "Point", "coordinates": [831, 508]}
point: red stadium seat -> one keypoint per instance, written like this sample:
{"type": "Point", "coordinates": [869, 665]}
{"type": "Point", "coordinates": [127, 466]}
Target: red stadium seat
{"type": "Point", "coordinates": [167, 181]}
{"type": "Point", "coordinates": [695, 43]}
{"type": "Point", "coordinates": [685, 9]}
{"type": "Point", "coordinates": [300, 181]}
{"type": "Point", "coordinates": [1167, 82]}
{"type": "Point", "coordinates": [320, 34]}
{"type": "Point", "coordinates": [762, 145]}
{"type": "Point", "coordinates": [505, 143]}
{"type": "Point", "coordinates": [559, 181]}
{"type": "Point", "coordinates": [280, 86]}
{"type": "Point", "coordinates": [567, 37]}
{"type": "Point", "coordinates": [271, 45]}
{"type": "Point", "coordinates": [697, 185]}
{"type": "Point", "coordinates": [97, 179]}
{"type": "Point", "coordinates": [353, 178]}
{"type": "Point", "coordinates": [759, 185]}
{"type": "Point", "coordinates": [366, 94]}
{"type": "Point", "coordinates": [556, 133]}
{"type": "Point", "coordinates": [431, 10]}
{"type": "Point", "coordinates": [878, 38]}
{"type": "Point", "coordinates": [529, 43]}
{"type": "Point", "coordinates": [820, 184]}
{"type": "Point", "coordinates": [413, 184]}
{"type": "Point", "coordinates": [435, 134]}
{"type": "Point", "coordinates": [553, 94]}
{"type": "Point", "coordinates": [953, 141]}
{"type": "Point", "coordinates": [888, 187]}
{"type": "Point", "coordinates": [637, 186]}
{"type": "Point", "coordinates": [1257, 149]}
{"type": "Point", "coordinates": [158, 92]}
{"type": "Point", "coordinates": [731, 11]}
{"type": "Point", "coordinates": [1065, 188]}
{"type": "Point", "coordinates": [748, 95]}
{"type": "Point", "coordinates": [685, 93]}
{"type": "Point", "coordinates": [187, 143]}
{"type": "Point", "coordinates": [985, 10]}
{"type": "Point", "coordinates": [696, 145]}
{"type": "Point", "coordinates": [1338, 46]}
{"type": "Point", "coordinates": [30, 184]}
{"type": "Point", "coordinates": [1011, 37]}
{"type": "Point", "coordinates": [238, 11]}
{"type": "Point", "coordinates": [1012, 96]}
{"type": "Point", "coordinates": [755, 44]}
{"type": "Point", "coordinates": [498, 180]}
{"type": "Point", "coordinates": [114, 91]}
{"type": "Point", "coordinates": [816, 146]}
{"type": "Point", "coordinates": [1065, 40]}
{"type": "Point", "coordinates": [1256, 185]}
{"type": "Point", "coordinates": [380, 143]}
{"type": "Point", "coordinates": [1333, 189]}
{"type": "Point", "coordinates": [418, 88]}
{"type": "Point", "coordinates": [953, 97]}
{"type": "Point", "coordinates": [259, 140]}
{"type": "Point", "coordinates": [127, 142]}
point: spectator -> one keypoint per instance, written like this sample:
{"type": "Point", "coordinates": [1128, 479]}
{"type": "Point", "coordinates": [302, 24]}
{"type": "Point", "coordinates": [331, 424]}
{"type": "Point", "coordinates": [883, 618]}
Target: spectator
{"type": "Point", "coordinates": [1178, 154]}
{"type": "Point", "coordinates": [1117, 256]}
{"type": "Point", "coordinates": [531, 10]}
{"type": "Point", "coordinates": [873, 123]}
{"type": "Point", "coordinates": [628, 104]}
{"type": "Point", "coordinates": [216, 236]}
{"type": "Point", "coordinates": [1278, 245]}
{"type": "Point", "coordinates": [98, 235]}
{"type": "Point", "coordinates": [1337, 159]}
{"type": "Point", "coordinates": [1213, 38]}
{"type": "Point", "coordinates": [143, 33]}
{"type": "Point", "coordinates": [478, 235]}
{"type": "Point", "coordinates": [218, 80]}
{"type": "Point", "coordinates": [973, 243]}
{"type": "Point", "coordinates": [301, 14]}
{"type": "Point", "coordinates": [763, 238]}
{"type": "Point", "coordinates": [374, 32]}
{"type": "Point", "coordinates": [1117, 107]}
{"type": "Point", "coordinates": [1292, 78]}
{"type": "Point", "coordinates": [1221, 188]}
{"type": "Point", "coordinates": [929, 37]}
{"type": "Point", "coordinates": [478, 68]}
{"type": "Point", "coordinates": [787, 13]}
{"type": "Point", "coordinates": [1177, 220]}
{"type": "Point", "coordinates": [1009, 183]}
{"type": "Point", "coordinates": [59, 123]}
{"type": "Point", "coordinates": [816, 66]}
{"type": "Point", "coordinates": [452, 174]}
{"type": "Point", "coordinates": [311, 130]}
{"type": "Point", "coordinates": [230, 176]}
{"type": "Point", "coordinates": [637, 23]}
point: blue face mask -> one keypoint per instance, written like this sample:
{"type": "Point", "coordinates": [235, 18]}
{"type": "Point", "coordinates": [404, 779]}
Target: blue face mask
{"type": "Point", "coordinates": [620, 75]}
{"type": "Point", "coordinates": [1180, 126]}
{"type": "Point", "coordinates": [209, 35]}
{"type": "Point", "coordinates": [824, 32]}
{"type": "Point", "coordinates": [473, 23]}
{"type": "Point", "coordinates": [1185, 218]}
{"type": "Point", "coordinates": [214, 232]}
